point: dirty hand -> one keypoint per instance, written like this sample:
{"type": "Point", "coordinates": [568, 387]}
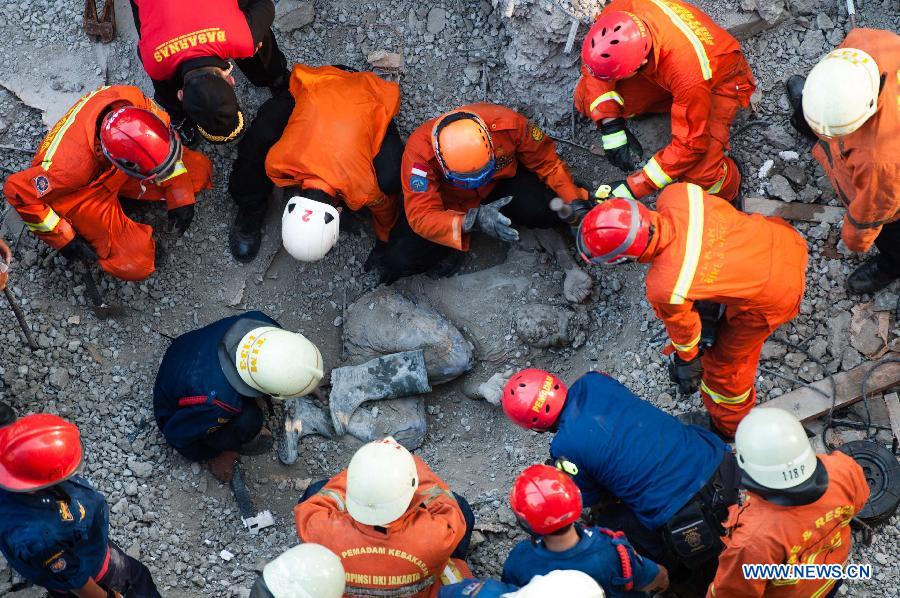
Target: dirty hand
{"type": "Point", "coordinates": [487, 218]}
{"type": "Point", "coordinates": [6, 259]}
{"type": "Point", "coordinates": [686, 374]}
{"type": "Point", "coordinates": [492, 390]}
{"type": "Point", "coordinates": [622, 148]}
{"type": "Point", "coordinates": [180, 218]}
{"type": "Point", "coordinates": [577, 285]}
{"type": "Point", "coordinates": [78, 250]}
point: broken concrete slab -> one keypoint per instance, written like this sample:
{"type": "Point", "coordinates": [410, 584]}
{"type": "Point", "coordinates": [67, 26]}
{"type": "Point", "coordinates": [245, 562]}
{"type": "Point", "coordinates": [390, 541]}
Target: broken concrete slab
{"type": "Point", "coordinates": [763, 15]}
{"type": "Point", "coordinates": [404, 419]}
{"type": "Point", "coordinates": [869, 330]}
{"type": "Point", "coordinates": [291, 15]}
{"type": "Point", "coordinates": [793, 211]}
{"type": "Point", "coordinates": [382, 59]}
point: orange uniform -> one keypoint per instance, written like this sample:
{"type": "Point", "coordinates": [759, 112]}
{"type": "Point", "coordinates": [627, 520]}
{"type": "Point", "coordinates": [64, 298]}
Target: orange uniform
{"type": "Point", "coordinates": [762, 532]}
{"type": "Point", "coordinates": [436, 213]}
{"type": "Point", "coordinates": [705, 249]}
{"type": "Point", "coordinates": [696, 71]}
{"type": "Point", "coordinates": [409, 558]}
{"type": "Point", "coordinates": [72, 188]}
{"type": "Point", "coordinates": [335, 130]}
{"type": "Point", "coordinates": [864, 166]}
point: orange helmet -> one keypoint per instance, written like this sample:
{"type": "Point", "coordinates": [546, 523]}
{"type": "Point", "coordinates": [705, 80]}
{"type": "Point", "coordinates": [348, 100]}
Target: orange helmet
{"type": "Point", "coordinates": [464, 149]}
{"type": "Point", "coordinates": [38, 451]}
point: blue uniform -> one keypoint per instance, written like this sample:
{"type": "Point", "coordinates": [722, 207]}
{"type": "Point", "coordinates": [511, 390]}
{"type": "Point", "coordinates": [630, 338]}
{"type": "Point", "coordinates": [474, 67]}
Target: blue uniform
{"type": "Point", "coordinates": [482, 588]}
{"type": "Point", "coordinates": [54, 542]}
{"type": "Point", "coordinates": [618, 443]}
{"type": "Point", "coordinates": [595, 554]}
{"type": "Point", "coordinates": [192, 398]}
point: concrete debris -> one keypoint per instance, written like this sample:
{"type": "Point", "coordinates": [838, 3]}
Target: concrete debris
{"type": "Point", "coordinates": [404, 419]}
{"type": "Point", "coordinates": [780, 187]}
{"type": "Point", "coordinates": [291, 15]}
{"type": "Point", "coordinates": [545, 326]}
{"type": "Point", "coordinates": [813, 45]}
{"type": "Point", "coordinates": [437, 20]}
{"type": "Point", "coordinates": [382, 59]}
{"type": "Point", "coordinates": [869, 330]}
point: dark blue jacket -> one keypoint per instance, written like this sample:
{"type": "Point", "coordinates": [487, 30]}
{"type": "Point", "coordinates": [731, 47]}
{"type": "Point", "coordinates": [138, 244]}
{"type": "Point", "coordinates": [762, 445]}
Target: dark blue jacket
{"type": "Point", "coordinates": [53, 542]}
{"type": "Point", "coordinates": [621, 444]}
{"type": "Point", "coordinates": [595, 554]}
{"type": "Point", "coordinates": [192, 397]}
{"type": "Point", "coordinates": [480, 588]}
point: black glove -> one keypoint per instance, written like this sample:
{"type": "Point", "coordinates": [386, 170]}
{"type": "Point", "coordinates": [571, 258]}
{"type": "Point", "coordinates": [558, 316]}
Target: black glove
{"type": "Point", "coordinates": [686, 374]}
{"type": "Point", "coordinates": [487, 218]}
{"type": "Point", "coordinates": [376, 257]}
{"type": "Point", "coordinates": [180, 218]}
{"type": "Point", "coordinates": [622, 148]}
{"type": "Point", "coordinates": [78, 250]}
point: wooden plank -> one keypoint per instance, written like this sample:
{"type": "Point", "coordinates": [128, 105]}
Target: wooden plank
{"type": "Point", "coordinates": [805, 403]}
{"type": "Point", "coordinates": [892, 402]}
{"type": "Point", "coordinates": [808, 212]}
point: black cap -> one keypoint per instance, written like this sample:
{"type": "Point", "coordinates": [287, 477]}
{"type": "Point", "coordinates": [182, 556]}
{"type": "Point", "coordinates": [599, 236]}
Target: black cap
{"type": "Point", "coordinates": [210, 101]}
{"type": "Point", "coordinates": [228, 347]}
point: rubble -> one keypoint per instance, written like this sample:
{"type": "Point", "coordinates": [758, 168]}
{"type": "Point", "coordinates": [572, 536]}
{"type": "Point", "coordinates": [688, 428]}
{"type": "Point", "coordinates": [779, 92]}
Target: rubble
{"type": "Point", "coordinates": [291, 15]}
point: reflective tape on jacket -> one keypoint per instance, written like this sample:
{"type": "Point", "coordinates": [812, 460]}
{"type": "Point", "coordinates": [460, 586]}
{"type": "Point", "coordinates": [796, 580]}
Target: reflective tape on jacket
{"type": "Point", "coordinates": [451, 574]}
{"type": "Point", "coordinates": [693, 243]}
{"type": "Point", "coordinates": [47, 225]}
{"type": "Point", "coordinates": [435, 492]}
{"type": "Point", "coordinates": [690, 345]}
{"type": "Point", "coordinates": [656, 174]}
{"type": "Point", "coordinates": [705, 68]}
{"type": "Point", "coordinates": [335, 496]}
{"type": "Point", "coordinates": [609, 95]}
{"type": "Point", "coordinates": [69, 120]}
{"type": "Point", "coordinates": [177, 171]}
{"type": "Point", "coordinates": [614, 140]}
{"type": "Point", "coordinates": [721, 399]}
{"type": "Point", "coordinates": [717, 186]}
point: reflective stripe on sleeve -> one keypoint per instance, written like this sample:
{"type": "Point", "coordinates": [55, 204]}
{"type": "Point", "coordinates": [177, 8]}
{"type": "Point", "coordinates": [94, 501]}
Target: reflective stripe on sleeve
{"type": "Point", "coordinates": [435, 492]}
{"type": "Point", "coordinates": [656, 174]}
{"type": "Point", "coordinates": [614, 140]}
{"type": "Point", "coordinates": [451, 574]}
{"type": "Point", "coordinates": [609, 95]}
{"type": "Point", "coordinates": [47, 225]}
{"type": "Point", "coordinates": [60, 133]}
{"type": "Point", "coordinates": [178, 170]}
{"type": "Point", "coordinates": [721, 399]}
{"type": "Point", "coordinates": [684, 348]}
{"type": "Point", "coordinates": [717, 186]}
{"type": "Point", "coordinates": [693, 243]}
{"type": "Point", "coordinates": [336, 497]}
{"type": "Point", "coordinates": [705, 68]}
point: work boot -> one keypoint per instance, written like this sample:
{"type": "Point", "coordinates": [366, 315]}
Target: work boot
{"type": "Point", "coordinates": [871, 277]}
{"type": "Point", "coordinates": [260, 445]}
{"type": "Point", "coordinates": [187, 130]}
{"type": "Point", "coordinates": [245, 235]}
{"type": "Point", "coordinates": [222, 466]}
{"type": "Point", "coordinates": [7, 414]}
{"type": "Point", "coordinates": [449, 265]}
{"type": "Point", "coordinates": [794, 86]}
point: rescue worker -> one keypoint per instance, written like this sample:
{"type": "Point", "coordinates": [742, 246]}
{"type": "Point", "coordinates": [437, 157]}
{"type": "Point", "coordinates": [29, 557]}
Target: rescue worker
{"type": "Point", "coordinates": [602, 434]}
{"type": "Point", "coordinates": [848, 105]}
{"type": "Point", "coordinates": [700, 248]}
{"type": "Point", "coordinates": [54, 526]}
{"type": "Point", "coordinates": [395, 524]}
{"type": "Point", "coordinates": [547, 504]}
{"type": "Point", "coordinates": [205, 399]}
{"type": "Point", "coordinates": [187, 55]}
{"type": "Point", "coordinates": [481, 167]}
{"type": "Point", "coordinates": [797, 510]}
{"type": "Point", "coordinates": [651, 56]}
{"type": "Point", "coordinates": [331, 139]}
{"type": "Point", "coordinates": [571, 584]}
{"type": "Point", "coordinates": [115, 142]}
{"type": "Point", "coordinates": [304, 571]}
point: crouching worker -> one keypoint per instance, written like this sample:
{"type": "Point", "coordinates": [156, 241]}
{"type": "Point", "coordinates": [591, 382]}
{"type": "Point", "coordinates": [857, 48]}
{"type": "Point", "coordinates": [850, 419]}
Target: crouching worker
{"type": "Point", "coordinates": [797, 511]}
{"type": "Point", "coordinates": [304, 571]}
{"type": "Point", "coordinates": [396, 526]}
{"type": "Point", "coordinates": [640, 469]}
{"type": "Point", "coordinates": [547, 504]}
{"type": "Point", "coordinates": [115, 142]}
{"type": "Point", "coordinates": [570, 584]}
{"type": "Point", "coordinates": [332, 140]}
{"type": "Point", "coordinates": [210, 381]}
{"type": "Point", "coordinates": [54, 526]}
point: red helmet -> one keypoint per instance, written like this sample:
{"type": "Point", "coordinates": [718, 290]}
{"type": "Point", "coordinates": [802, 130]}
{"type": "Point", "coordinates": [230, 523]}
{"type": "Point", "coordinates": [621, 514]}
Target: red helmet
{"type": "Point", "coordinates": [533, 399]}
{"type": "Point", "coordinates": [38, 451]}
{"type": "Point", "coordinates": [614, 231]}
{"type": "Point", "coordinates": [545, 499]}
{"type": "Point", "coordinates": [616, 45]}
{"type": "Point", "coordinates": [137, 142]}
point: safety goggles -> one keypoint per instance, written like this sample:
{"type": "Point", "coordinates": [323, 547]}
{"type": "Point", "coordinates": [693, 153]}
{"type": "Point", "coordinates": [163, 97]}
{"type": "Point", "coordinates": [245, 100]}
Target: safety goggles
{"type": "Point", "coordinates": [615, 256]}
{"type": "Point", "coordinates": [472, 180]}
{"type": "Point", "coordinates": [464, 180]}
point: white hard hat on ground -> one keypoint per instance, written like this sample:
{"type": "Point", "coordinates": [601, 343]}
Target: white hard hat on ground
{"type": "Point", "coordinates": [381, 481]}
{"type": "Point", "coordinates": [841, 92]}
{"type": "Point", "coordinates": [278, 362]}
{"type": "Point", "coordinates": [772, 448]}
{"type": "Point", "coordinates": [309, 228]}
{"type": "Point", "coordinates": [305, 571]}
{"type": "Point", "coordinates": [560, 583]}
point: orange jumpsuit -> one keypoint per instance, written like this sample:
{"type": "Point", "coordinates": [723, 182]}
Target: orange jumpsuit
{"type": "Point", "coordinates": [409, 558]}
{"type": "Point", "coordinates": [72, 188]}
{"type": "Point", "coordinates": [705, 249]}
{"type": "Point", "coordinates": [335, 130]}
{"type": "Point", "coordinates": [437, 212]}
{"type": "Point", "coordinates": [864, 166]}
{"type": "Point", "coordinates": [695, 71]}
{"type": "Point", "coordinates": [761, 532]}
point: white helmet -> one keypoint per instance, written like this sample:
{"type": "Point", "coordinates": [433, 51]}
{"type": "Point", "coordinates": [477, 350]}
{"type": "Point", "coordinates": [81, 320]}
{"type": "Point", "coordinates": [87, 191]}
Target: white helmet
{"type": "Point", "coordinates": [571, 584]}
{"type": "Point", "coordinates": [278, 362]}
{"type": "Point", "coordinates": [305, 571]}
{"type": "Point", "coordinates": [772, 448]}
{"type": "Point", "coordinates": [381, 481]}
{"type": "Point", "coordinates": [841, 92]}
{"type": "Point", "coordinates": [309, 228]}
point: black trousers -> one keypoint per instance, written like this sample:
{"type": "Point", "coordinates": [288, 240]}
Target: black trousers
{"type": "Point", "coordinates": [410, 254]}
{"type": "Point", "coordinates": [888, 244]}
{"type": "Point", "coordinates": [248, 183]}
{"type": "Point", "coordinates": [126, 575]}
{"type": "Point", "coordinates": [266, 68]}
{"type": "Point", "coordinates": [239, 430]}
{"type": "Point", "coordinates": [462, 549]}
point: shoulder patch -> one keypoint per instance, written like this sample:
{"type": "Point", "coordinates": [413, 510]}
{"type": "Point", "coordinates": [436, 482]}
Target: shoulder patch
{"type": "Point", "coordinates": [41, 185]}
{"type": "Point", "coordinates": [473, 588]}
{"type": "Point", "coordinates": [535, 131]}
{"type": "Point", "coordinates": [418, 178]}
{"type": "Point", "coordinates": [64, 512]}
{"type": "Point", "coordinates": [58, 565]}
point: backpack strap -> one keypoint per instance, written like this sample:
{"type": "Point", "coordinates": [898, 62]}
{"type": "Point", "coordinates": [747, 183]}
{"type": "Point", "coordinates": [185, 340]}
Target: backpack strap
{"type": "Point", "coordinates": [621, 546]}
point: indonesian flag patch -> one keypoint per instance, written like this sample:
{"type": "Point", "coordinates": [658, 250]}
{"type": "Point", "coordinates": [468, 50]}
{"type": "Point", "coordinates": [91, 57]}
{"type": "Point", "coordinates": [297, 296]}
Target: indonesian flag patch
{"type": "Point", "coordinates": [418, 178]}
